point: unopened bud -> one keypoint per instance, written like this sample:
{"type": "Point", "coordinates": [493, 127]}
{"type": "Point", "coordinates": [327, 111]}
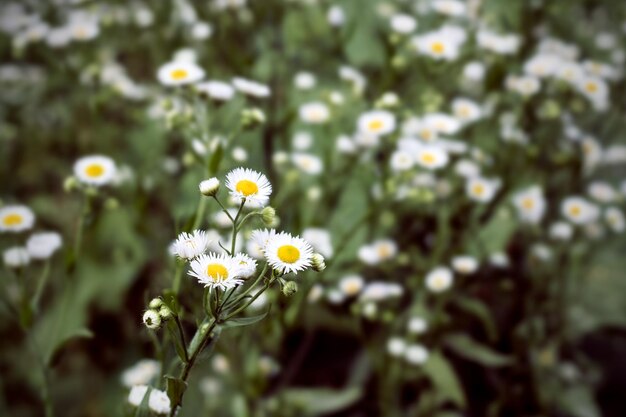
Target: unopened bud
{"type": "Point", "coordinates": [70, 184]}
{"type": "Point", "coordinates": [210, 187]}
{"type": "Point", "coordinates": [165, 313]}
{"type": "Point", "coordinates": [251, 118]}
{"type": "Point", "coordinates": [155, 303]}
{"type": "Point", "coordinates": [290, 288]}
{"type": "Point", "coordinates": [317, 262]}
{"type": "Point", "coordinates": [268, 215]}
{"type": "Point", "coordinates": [152, 319]}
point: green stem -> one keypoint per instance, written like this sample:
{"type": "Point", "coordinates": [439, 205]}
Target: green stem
{"type": "Point", "coordinates": [199, 213]}
{"type": "Point", "coordinates": [224, 208]}
{"type": "Point", "coordinates": [181, 333]}
{"type": "Point", "coordinates": [177, 277]}
{"type": "Point", "coordinates": [243, 307]}
{"type": "Point", "coordinates": [41, 284]}
{"type": "Point", "coordinates": [234, 237]}
{"type": "Point", "coordinates": [247, 291]}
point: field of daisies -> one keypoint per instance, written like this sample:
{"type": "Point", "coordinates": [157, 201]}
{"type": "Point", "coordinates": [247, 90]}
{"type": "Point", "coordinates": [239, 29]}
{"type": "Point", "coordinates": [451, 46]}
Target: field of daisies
{"type": "Point", "coordinates": [301, 208]}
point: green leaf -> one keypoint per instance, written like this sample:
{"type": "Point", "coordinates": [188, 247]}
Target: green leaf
{"type": "Point", "coordinates": [495, 234]}
{"type": "Point", "coordinates": [443, 377]}
{"type": "Point", "coordinates": [215, 160]}
{"type": "Point", "coordinates": [175, 388]}
{"type": "Point", "coordinates": [56, 350]}
{"type": "Point", "coordinates": [180, 350]}
{"type": "Point", "coordinates": [579, 401]}
{"type": "Point", "coordinates": [470, 349]}
{"type": "Point", "coordinates": [478, 309]}
{"type": "Point", "coordinates": [244, 321]}
{"type": "Point", "coordinates": [321, 401]}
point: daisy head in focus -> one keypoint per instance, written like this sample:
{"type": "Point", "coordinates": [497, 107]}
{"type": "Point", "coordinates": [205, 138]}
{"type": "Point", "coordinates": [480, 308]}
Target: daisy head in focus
{"type": "Point", "coordinates": [179, 72]}
{"type": "Point", "coordinates": [217, 271]}
{"type": "Point", "coordinates": [248, 185]}
{"type": "Point", "coordinates": [286, 253]}
{"type": "Point", "coordinates": [191, 245]}
{"type": "Point", "coordinates": [376, 123]}
{"type": "Point", "coordinates": [96, 170]}
{"type": "Point", "coordinates": [16, 218]}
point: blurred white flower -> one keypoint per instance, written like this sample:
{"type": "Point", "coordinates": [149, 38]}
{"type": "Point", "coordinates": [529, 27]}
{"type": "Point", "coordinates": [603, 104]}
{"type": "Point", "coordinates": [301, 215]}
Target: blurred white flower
{"type": "Point", "coordinates": [141, 373]}
{"type": "Point", "coordinates": [320, 239]}
{"type": "Point", "coordinates": [16, 218]}
{"type": "Point", "coordinates": [43, 245]}
{"type": "Point", "coordinates": [177, 73]}
{"type": "Point", "coordinates": [15, 257]}
{"type": "Point", "coordinates": [314, 113]}
{"type": "Point", "coordinates": [530, 204]}
{"type": "Point", "coordinates": [416, 354]}
{"type": "Point", "coordinates": [465, 264]}
{"type": "Point", "coordinates": [439, 279]}
{"type": "Point", "coordinates": [579, 210]}
{"type": "Point", "coordinates": [351, 285]}
{"type": "Point", "coordinates": [96, 170]}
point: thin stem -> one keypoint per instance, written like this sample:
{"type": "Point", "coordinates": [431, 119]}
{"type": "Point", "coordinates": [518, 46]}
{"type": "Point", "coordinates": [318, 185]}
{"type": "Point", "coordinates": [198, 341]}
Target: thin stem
{"type": "Point", "coordinates": [181, 333]}
{"type": "Point", "coordinates": [246, 292]}
{"type": "Point", "coordinates": [224, 208]}
{"type": "Point", "coordinates": [178, 274]}
{"type": "Point", "coordinates": [243, 307]}
{"type": "Point", "coordinates": [234, 237]}
{"type": "Point", "coordinates": [43, 278]}
{"type": "Point", "coordinates": [246, 217]}
{"type": "Point", "coordinates": [199, 213]}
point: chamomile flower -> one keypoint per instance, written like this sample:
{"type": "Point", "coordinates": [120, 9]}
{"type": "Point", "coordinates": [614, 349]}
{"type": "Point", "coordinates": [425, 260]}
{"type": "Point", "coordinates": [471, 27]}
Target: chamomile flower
{"type": "Point", "coordinates": [380, 291]}
{"type": "Point", "coordinates": [251, 88]}
{"type": "Point", "coordinates": [314, 113]}
{"type": "Point", "coordinates": [482, 190]}
{"type": "Point", "coordinates": [396, 346]}
{"type": "Point", "coordinates": [376, 123]}
{"type": "Point", "coordinates": [530, 204]}
{"type": "Point", "coordinates": [320, 240]}
{"type": "Point", "coordinates": [216, 90]}
{"type": "Point", "coordinates": [159, 402]}
{"type": "Point", "coordinates": [141, 373]}
{"type": "Point", "coordinates": [180, 73]}
{"type": "Point", "coordinates": [191, 245]}
{"type": "Point", "coordinates": [286, 253]}
{"type": "Point", "coordinates": [351, 285]}
{"type": "Point", "coordinates": [615, 219]}
{"type": "Point", "coordinates": [402, 23]}
{"type": "Point", "coordinates": [15, 257]}
{"type": "Point", "coordinates": [579, 210]}
{"type": "Point", "coordinates": [443, 123]}
{"type": "Point", "coordinates": [248, 185]}
{"type": "Point", "coordinates": [442, 44]}
{"type": "Point", "coordinates": [416, 354]}
{"type": "Point", "coordinates": [217, 271]}
{"type": "Point", "coordinates": [16, 218]}
{"type": "Point", "coordinates": [43, 245]}
{"type": "Point", "coordinates": [307, 163]}
{"type": "Point", "coordinates": [304, 80]}
{"type": "Point", "coordinates": [466, 110]}
{"type": "Point", "coordinates": [431, 157]}
{"type": "Point", "coordinates": [96, 170]}
{"type": "Point", "coordinates": [258, 241]}
{"type": "Point", "coordinates": [378, 251]}
{"type": "Point", "coordinates": [401, 161]}
{"type": "Point", "coordinates": [439, 279]}
{"type": "Point", "coordinates": [417, 325]}
{"type": "Point", "coordinates": [561, 231]}
{"type": "Point", "coordinates": [246, 263]}
{"type": "Point", "coordinates": [449, 7]}
{"type": "Point", "coordinates": [465, 264]}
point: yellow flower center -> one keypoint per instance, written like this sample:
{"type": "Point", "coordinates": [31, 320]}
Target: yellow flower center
{"type": "Point", "coordinates": [94, 170]}
{"type": "Point", "coordinates": [575, 211]}
{"type": "Point", "coordinates": [384, 251]}
{"type": "Point", "coordinates": [478, 189]}
{"type": "Point", "coordinates": [528, 203]}
{"type": "Point", "coordinates": [437, 47]}
{"type": "Point", "coordinates": [288, 254]}
{"type": "Point", "coordinates": [179, 74]}
{"type": "Point", "coordinates": [375, 125]}
{"type": "Point", "coordinates": [591, 87]}
{"type": "Point", "coordinates": [352, 288]}
{"type": "Point", "coordinates": [428, 158]}
{"type": "Point", "coordinates": [217, 272]}
{"type": "Point", "coordinates": [426, 134]}
{"type": "Point", "coordinates": [247, 187]}
{"type": "Point", "coordinates": [80, 32]}
{"type": "Point", "coordinates": [12, 220]}
{"type": "Point", "coordinates": [464, 111]}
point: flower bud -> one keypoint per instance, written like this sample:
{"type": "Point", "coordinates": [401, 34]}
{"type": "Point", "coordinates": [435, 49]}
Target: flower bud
{"type": "Point", "coordinates": [165, 313]}
{"type": "Point", "coordinates": [317, 262]}
{"type": "Point", "coordinates": [70, 184]}
{"type": "Point", "coordinates": [290, 288]}
{"type": "Point", "coordinates": [251, 118]}
{"type": "Point", "coordinates": [268, 215]}
{"type": "Point", "coordinates": [155, 303]}
{"type": "Point", "coordinates": [152, 319]}
{"type": "Point", "coordinates": [210, 187]}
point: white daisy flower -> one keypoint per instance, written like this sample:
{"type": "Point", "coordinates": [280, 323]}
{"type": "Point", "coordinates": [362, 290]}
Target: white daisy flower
{"type": "Point", "coordinates": [159, 402]}
{"type": "Point", "coordinates": [304, 80]}
{"type": "Point", "coordinates": [530, 204]}
{"type": "Point", "coordinates": [15, 257]}
{"type": "Point", "coordinates": [401, 161]}
{"type": "Point", "coordinates": [561, 231]}
{"type": "Point", "coordinates": [307, 163]}
{"type": "Point", "coordinates": [314, 113]}
{"type": "Point", "coordinates": [380, 291]}
{"type": "Point", "coordinates": [239, 154]}
{"type": "Point", "coordinates": [141, 373]}
{"type": "Point", "coordinates": [579, 210]}
{"type": "Point", "coordinates": [396, 346]}
{"type": "Point", "coordinates": [431, 157]}
{"type": "Point", "coordinates": [191, 245]}
{"type": "Point", "coordinates": [443, 44]}
{"type": "Point", "coordinates": [84, 29]}
{"type": "Point", "coordinates": [482, 190]}
{"type": "Point", "coordinates": [502, 44]}
{"type": "Point", "coordinates": [417, 325]}
{"type": "Point", "coordinates": [403, 23]}
{"type": "Point", "coordinates": [251, 88]}
{"type": "Point", "coordinates": [96, 170]}
{"type": "Point", "coordinates": [258, 241]}
{"type": "Point", "coordinates": [602, 192]}
{"type": "Point", "coordinates": [499, 259]}
{"type": "Point", "coordinates": [16, 218]}
{"type": "Point", "coordinates": [449, 7]}
{"type": "Point", "coordinates": [180, 73]}
{"type": "Point", "coordinates": [216, 90]}
{"type": "Point", "coordinates": [416, 354]}
{"type": "Point", "coordinates": [137, 392]}
{"type": "Point", "coordinates": [217, 271]}
{"type": "Point", "coordinates": [465, 264]}
{"type": "Point", "coordinates": [467, 168]}
{"type": "Point", "coordinates": [302, 141]}
{"type": "Point", "coordinates": [595, 89]}
{"type": "Point", "coordinates": [615, 219]}
{"type": "Point", "coordinates": [524, 85]}
{"type": "Point", "coordinates": [43, 245]}
{"type": "Point", "coordinates": [320, 239]}
{"type": "Point", "coordinates": [376, 123]}
{"type": "Point", "coordinates": [466, 110]}
{"type": "Point", "coordinates": [474, 71]}
{"type": "Point", "coordinates": [249, 185]}
{"type": "Point", "coordinates": [351, 285]}
{"type": "Point", "coordinates": [439, 279]}
{"type": "Point", "coordinates": [336, 16]}
{"type": "Point", "coordinates": [443, 123]}
{"type": "Point", "coordinates": [286, 253]}
{"type": "Point", "coordinates": [246, 263]}
{"type": "Point", "coordinates": [378, 251]}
